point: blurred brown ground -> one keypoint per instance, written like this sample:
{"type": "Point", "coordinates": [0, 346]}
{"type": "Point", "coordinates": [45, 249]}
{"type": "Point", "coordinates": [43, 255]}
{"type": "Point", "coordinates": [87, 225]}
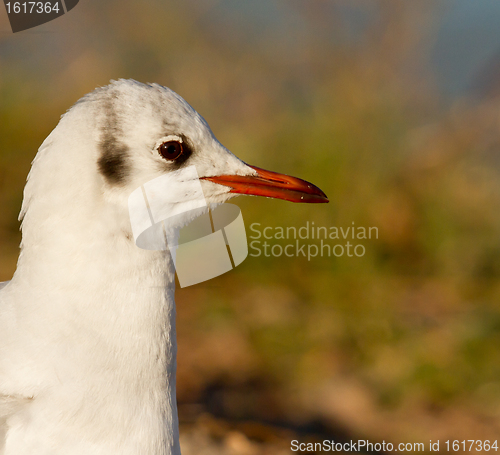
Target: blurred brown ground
{"type": "Point", "coordinates": [399, 345]}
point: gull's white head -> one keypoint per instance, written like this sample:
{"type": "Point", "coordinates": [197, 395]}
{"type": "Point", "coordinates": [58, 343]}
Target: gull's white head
{"type": "Point", "coordinates": [119, 137]}
{"type": "Point", "coordinates": [89, 320]}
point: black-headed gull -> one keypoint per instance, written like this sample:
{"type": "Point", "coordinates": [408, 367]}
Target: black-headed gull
{"type": "Point", "coordinates": [87, 323]}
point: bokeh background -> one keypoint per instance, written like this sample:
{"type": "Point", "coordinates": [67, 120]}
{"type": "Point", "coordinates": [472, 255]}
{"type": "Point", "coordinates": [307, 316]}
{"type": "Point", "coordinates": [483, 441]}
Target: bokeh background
{"type": "Point", "coordinates": [393, 109]}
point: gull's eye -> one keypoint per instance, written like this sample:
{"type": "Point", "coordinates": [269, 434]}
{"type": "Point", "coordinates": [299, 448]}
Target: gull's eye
{"type": "Point", "coordinates": [171, 150]}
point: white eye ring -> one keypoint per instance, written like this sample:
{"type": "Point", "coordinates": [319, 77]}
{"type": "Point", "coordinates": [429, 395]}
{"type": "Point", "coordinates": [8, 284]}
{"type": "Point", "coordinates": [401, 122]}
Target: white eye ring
{"type": "Point", "coordinates": [170, 137]}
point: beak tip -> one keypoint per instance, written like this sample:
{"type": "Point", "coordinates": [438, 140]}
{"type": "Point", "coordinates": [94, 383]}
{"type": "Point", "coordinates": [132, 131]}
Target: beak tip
{"type": "Point", "coordinates": [314, 199]}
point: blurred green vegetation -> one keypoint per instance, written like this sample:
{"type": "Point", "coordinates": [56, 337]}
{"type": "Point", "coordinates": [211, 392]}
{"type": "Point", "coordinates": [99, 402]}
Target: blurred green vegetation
{"type": "Point", "coordinates": [400, 344]}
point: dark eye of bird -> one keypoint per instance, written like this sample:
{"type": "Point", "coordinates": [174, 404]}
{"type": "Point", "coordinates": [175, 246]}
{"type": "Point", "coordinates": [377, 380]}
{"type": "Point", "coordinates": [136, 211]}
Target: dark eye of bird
{"type": "Point", "coordinates": [171, 150]}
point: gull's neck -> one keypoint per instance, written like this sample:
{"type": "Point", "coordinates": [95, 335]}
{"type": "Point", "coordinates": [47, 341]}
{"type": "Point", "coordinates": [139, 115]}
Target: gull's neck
{"type": "Point", "coordinates": [105, 317]}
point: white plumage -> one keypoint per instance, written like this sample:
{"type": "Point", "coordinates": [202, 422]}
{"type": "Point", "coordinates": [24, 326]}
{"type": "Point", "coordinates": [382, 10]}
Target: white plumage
{"type": "Point", "coordinates": [87, 323]}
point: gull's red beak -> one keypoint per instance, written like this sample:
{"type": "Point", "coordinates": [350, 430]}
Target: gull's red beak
{"type": "Point", "coordinates": [271, 184]}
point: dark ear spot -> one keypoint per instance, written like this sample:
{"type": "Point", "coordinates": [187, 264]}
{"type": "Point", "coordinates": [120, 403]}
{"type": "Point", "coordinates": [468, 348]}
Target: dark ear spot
{"type": "Point", "coordinates": [113, 162]}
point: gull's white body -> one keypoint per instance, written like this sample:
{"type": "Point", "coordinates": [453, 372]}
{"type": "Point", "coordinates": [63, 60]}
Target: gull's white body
{"type": "Point", "coordinates": [87, 324]}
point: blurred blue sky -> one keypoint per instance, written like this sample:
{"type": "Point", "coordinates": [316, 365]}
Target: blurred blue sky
{"type": "Point", "coordinates": [468, 41]}
{"type": "Point", "coordinates": [465, 36]}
